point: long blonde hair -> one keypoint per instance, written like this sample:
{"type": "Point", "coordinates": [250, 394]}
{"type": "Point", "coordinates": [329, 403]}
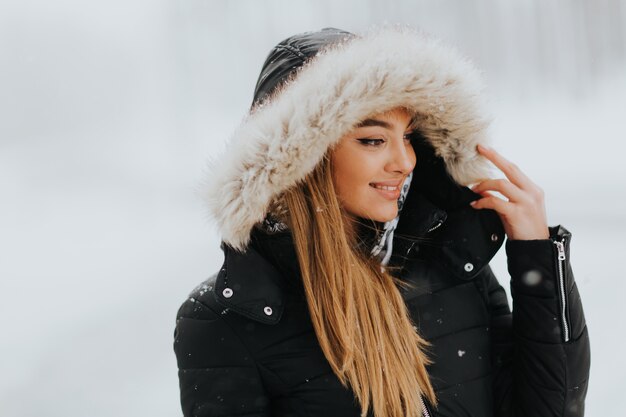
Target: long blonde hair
{"type": "Point", "coordinates": [360, 319]}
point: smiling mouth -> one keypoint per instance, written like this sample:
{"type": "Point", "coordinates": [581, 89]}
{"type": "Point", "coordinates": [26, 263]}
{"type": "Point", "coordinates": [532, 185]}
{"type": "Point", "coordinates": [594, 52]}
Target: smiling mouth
{"type": "Point", "coordinates": [384, 187]}
{"type": "Point", "coordinates": [389, 192]}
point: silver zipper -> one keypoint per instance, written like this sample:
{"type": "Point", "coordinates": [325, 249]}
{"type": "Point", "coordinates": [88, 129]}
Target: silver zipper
{"type": "Point", "coordinates": [561, 263]}
{"type": "Point", "coordinates": [424, 409]}
{"type": "Point", "coordinates": [435, 226]}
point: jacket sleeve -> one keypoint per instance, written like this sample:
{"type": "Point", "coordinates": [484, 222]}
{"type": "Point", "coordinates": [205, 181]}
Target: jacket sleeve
{"type": "Point", "coordinates": [217, 375]}
{"type": "Point", "coordinates": [541, 355]}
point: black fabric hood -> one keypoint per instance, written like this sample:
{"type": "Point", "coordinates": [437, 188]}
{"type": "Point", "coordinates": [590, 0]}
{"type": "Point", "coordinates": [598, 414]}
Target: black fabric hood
{"type": "Point", "coordinates": [290, 55]}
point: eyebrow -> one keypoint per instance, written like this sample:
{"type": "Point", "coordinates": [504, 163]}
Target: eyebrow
{"type": "Point", "coordinates": [374, 122]}
{"type": "Point", "coordinates": [380, 123]}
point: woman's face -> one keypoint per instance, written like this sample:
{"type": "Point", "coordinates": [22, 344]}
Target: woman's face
{"type": "Point", "coordinates": [370, 164]}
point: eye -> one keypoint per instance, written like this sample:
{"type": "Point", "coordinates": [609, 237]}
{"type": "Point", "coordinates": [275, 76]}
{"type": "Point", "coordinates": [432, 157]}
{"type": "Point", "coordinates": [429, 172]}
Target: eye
{"type": "Point", "coordinates": [371, 142]}
{"type": "Point", "coordinates": [408, 135]}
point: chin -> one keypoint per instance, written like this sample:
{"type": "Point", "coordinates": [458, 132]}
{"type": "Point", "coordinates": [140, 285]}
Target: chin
{"type": "Point", "coordinates": [384, 219]}
{"type": "Point", "coordinates": [382, 215]}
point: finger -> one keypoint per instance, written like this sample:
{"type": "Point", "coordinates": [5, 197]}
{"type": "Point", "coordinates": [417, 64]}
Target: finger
{"type": "Point", "coordinates": [490, 194]}
{"type": "Point", "coordinates": [512, 171]}
{"type": "Point", "coordinates": [494, 203]}
{"type": "Point", "coordinates": [504, 187]}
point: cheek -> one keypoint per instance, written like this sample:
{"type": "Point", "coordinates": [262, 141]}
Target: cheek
{"type": "Point", "coordinates": [346, 176]}
{"type": "Point", "coordinates": [350, 173]}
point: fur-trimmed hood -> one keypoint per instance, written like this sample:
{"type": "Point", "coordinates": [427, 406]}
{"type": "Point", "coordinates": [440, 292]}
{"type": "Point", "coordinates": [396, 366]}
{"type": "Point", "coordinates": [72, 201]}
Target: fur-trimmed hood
{"type": "Point", "coordinates": [282, 139]}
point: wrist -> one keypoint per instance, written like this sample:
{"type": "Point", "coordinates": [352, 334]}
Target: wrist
{"type": "Point", "coordinates": [543, 234]}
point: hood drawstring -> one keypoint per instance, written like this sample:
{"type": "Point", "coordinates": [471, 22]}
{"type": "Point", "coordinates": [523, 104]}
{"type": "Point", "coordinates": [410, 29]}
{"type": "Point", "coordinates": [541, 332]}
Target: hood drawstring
{"type": "Point", "coordinates": [384, 248]}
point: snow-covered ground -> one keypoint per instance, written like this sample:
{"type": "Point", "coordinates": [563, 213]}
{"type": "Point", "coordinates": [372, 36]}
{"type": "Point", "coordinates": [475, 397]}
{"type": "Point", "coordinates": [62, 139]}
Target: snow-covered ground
{"type": "Point", "coordinates": [102, 234]}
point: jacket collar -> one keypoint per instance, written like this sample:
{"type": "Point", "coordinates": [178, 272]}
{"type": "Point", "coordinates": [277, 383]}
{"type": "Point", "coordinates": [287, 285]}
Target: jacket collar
{"type": "Point", "coordinates": [463, 241]}
{"type": "Point", "coordinates": [250, 285]}
{"type": "Point", "coordinates": [468, 238]}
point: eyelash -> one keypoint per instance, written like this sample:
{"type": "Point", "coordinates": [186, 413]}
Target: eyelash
{"type": "Point", "coordinates": [377, 142]}
{"type": "Point", "coordinates": [371, 142]}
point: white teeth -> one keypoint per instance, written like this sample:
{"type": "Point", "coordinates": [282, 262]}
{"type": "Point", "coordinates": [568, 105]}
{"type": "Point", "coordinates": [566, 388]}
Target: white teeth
{"type": "Point", "coordinates": [384, 187]}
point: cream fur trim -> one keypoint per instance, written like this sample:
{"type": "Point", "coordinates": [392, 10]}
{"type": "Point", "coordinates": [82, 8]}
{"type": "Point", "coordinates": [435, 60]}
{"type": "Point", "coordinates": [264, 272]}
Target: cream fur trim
{"type": "Point", "coordinates": [281, 142]}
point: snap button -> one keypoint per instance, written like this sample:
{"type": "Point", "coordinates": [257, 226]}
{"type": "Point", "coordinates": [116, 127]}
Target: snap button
{"type": "Point", "coordinates": [227, 292]}
{"type": "Point", "coordinates": [469, 267]}
{"type": "Point", "coordinates": [494, 237]}
{"type": "Point", "coordinates": [268, 311]}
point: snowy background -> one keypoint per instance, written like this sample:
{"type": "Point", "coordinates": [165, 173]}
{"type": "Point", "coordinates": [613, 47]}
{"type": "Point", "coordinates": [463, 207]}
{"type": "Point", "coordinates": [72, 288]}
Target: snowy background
{"type": "Point", "coordinates": [109, 110]}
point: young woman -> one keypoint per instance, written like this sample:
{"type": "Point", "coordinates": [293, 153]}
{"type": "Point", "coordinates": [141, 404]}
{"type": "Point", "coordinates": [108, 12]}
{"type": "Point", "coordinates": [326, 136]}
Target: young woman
{"type": "Point", "coordinates": [356, 278]}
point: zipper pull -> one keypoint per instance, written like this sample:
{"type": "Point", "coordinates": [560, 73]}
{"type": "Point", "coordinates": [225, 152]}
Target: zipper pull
{"type": "Point", "coordinates": [561, 249]}
{"type": "Point", "coordinates": [439, 223]}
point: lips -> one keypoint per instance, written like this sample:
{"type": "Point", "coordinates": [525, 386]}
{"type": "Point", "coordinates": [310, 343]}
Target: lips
{"type": "Point", "coordinates": [388, 189]}
{"type": "Point", "coordinates": [384, 187]}
{"type": "Point", "coordinates": [387, 185]}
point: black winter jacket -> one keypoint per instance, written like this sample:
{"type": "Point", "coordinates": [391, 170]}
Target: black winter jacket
{"type": "Point", "coordinates": [234, 359]}
{"type": "Point", "coordinates": [244, 341]}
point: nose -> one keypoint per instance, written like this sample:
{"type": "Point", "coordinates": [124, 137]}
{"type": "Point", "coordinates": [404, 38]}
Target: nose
{"type": "Point", "coordinates": [401, 157]}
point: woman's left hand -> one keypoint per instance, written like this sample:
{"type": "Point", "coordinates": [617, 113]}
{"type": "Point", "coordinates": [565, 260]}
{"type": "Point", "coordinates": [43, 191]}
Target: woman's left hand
{"type": "Point", "coordinates": [524, 214]}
